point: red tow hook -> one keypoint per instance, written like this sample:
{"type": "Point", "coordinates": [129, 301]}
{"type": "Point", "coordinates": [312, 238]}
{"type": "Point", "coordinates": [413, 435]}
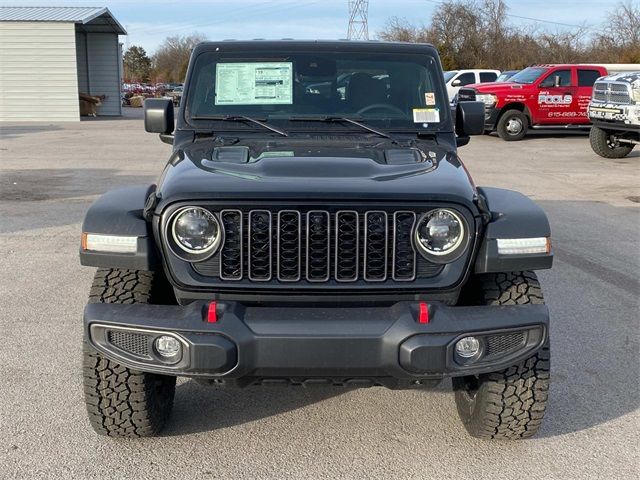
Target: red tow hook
{"type": "Point", "coordinates": [423, 313]}
{"type": "Point", "coordinates": [212, 314]}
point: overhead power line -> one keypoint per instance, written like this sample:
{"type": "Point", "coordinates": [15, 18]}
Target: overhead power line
{"type": "Point", "coordinates": [533, 19]}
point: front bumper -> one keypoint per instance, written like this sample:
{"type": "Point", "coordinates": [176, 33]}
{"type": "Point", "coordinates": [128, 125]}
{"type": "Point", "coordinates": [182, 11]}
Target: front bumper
{"type": "Point", "coordinates": [491, 115]}
{"type": "Point", "coordinates": [339, 345]}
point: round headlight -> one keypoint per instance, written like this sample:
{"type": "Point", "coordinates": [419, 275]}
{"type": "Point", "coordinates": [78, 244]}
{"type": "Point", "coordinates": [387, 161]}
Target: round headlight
{"type": "Point", "coordinates": [440, 233]}
{"type": "Point", "coordinates": [196, 230]}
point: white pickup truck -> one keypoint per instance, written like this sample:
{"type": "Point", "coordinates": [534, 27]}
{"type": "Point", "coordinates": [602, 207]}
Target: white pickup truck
{"type": "Point", "coordinates": [454, 79]}
{"type": "Point", "coordinates": [614, 111]}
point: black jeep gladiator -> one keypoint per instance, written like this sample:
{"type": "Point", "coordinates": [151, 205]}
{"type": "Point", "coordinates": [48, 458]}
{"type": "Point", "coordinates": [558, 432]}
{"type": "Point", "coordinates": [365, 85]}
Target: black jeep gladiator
{"type": "Point", "coordinates": [310, 231]}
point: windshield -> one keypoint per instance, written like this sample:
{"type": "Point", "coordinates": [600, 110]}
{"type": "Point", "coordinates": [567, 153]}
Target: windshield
{"type": "Point", "coordinates": [394, 91]}
{"type": "Point", "coordinates": [449, 75]}
{"type": "Point", "coordinates": [504, 76]}
{"type": "Point", "coordinates": [528, 75]}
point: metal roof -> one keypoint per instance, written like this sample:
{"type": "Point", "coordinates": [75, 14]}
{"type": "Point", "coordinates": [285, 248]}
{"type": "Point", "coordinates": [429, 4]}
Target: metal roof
{"type": "Point", "coordinates": [91, 18]}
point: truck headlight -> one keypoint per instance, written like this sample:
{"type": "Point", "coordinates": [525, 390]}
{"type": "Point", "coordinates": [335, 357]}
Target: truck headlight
{"type": "Point", "coordinates": [196, 231]}
{"type": "Point", "coordinates": [441, 235]}
{"type": "Point", "coordinates": [489, 99]}
{"type": "Point", "coordinates": [635, 94]}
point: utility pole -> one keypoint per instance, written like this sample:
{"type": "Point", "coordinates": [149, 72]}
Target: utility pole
{"type": "Point", "coordinates": [358, 23]}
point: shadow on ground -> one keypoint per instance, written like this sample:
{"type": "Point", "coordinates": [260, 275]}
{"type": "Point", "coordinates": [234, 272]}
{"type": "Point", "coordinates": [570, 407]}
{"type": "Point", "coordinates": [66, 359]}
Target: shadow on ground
{"type": "Point", "coordinates": [15, 131]}
{"type": "Point", "coordinates": [40, 198]}
{"type": "Point", "coordinates": [200, 408]}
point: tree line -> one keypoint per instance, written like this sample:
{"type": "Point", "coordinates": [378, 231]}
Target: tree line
{"type": "Point", "coordinates": [467, 33]}
{"type": "Point", "coordinates": [478, 34]}
{"type": "Point", "coordinates": [167, 65]}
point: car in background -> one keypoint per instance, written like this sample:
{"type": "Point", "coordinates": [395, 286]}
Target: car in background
{"type": "Point", "coordinates": [175, 94]}
{"type": "Point", "coordinates": [614, 111]}
{"type": "Point", "coordinates": [542, 96]}
{"type": "Point", "coordinates": [506, 75]}
{"type": "Point", "coordinates": [454, 79]}
{"type": "Point", "coordinates": [169, 87]}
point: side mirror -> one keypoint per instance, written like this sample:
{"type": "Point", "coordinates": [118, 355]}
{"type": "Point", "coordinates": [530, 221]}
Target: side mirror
{"type": "Point", "coordinates": [456, 83]}
{"type": "Point", "coordinates": [158, 115]}
{"type": "Point", "coordinates": [470, 118]}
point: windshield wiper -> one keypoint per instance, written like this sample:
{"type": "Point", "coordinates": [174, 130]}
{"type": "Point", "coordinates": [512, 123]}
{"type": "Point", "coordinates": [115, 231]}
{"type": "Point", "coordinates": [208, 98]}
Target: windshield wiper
{"type": "Point", "coordinates": [330, 118]}
{"type": "Point", "coordinates": [243, 118]}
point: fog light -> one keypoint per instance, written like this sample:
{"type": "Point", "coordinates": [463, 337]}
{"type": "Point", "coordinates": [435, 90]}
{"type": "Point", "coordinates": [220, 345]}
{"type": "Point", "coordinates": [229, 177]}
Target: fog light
{"type": "Point", "coordinates": [468, 349]}
{"type": "Point", "coordinates": [167, 347]}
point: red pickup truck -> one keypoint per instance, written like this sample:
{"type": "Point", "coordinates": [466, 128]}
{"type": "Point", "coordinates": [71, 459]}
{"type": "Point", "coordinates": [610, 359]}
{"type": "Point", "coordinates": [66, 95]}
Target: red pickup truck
{"type": "Point", "coordinates": [541, 96]}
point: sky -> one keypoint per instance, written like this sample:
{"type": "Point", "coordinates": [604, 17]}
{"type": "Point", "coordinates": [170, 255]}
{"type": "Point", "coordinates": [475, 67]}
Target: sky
{"type": "Point", "coordinates": [149, 22]}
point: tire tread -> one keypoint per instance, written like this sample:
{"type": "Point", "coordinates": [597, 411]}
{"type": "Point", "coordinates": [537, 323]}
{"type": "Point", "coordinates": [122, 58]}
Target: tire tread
{"type": "Point", "coordinates": [508, 404]}
{"type": "Point", "coordinates": [123, 402]}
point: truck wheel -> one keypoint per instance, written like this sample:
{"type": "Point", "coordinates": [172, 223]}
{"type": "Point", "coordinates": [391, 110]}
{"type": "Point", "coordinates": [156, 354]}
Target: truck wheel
{"type": "Point", "coordinates": [508, 404]}
{"type": "Point", "coordinates": [512, 125]}
{"type": "Point", "coordinates": [122, 402]}
{"type": "Point", "coordinates": [605, 145]}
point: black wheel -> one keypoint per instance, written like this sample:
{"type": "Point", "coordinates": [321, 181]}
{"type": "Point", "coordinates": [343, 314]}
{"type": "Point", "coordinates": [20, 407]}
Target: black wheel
{"type": "Point", "coordinates": [508, 404]}
{"type": "Point", "coordinates": [512, 125]}
{"type": "Point", "coordinates": [122, 402]}
{"type": "Point", "coordinates": [605, 144]}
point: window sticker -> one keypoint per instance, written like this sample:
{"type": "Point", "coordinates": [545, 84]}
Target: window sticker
{"type": "Point", "coordinates": [426, 115]}
{"type": "Point", "coordinates": [267, 83]}
{"type": "Point", "coordinates": [429, 99]}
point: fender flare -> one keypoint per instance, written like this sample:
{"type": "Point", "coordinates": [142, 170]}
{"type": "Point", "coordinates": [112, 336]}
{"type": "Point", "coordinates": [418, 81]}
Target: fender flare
{"type": "Point", "coordinates": [121, 212]}
{"type": "Point", "coordinates": [513, 215]}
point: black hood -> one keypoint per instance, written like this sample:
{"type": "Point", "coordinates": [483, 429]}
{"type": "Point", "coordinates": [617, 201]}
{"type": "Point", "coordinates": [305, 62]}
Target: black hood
{"type": "Point", "coordinates": [328, 169]}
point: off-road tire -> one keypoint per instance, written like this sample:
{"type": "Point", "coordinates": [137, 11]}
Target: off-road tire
{"type": "Point", "coordinates": [511, 403]}
{"type": "Point", "coordinates": [603, 145]}
{"type": "Point", "coordinates": [503, 123]}
{"type": "Point", "coordinates": [123, 402]}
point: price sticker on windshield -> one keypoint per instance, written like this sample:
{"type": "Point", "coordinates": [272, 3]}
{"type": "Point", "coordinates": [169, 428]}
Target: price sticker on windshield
{"type": "Point", "coordinates": [426, 115]}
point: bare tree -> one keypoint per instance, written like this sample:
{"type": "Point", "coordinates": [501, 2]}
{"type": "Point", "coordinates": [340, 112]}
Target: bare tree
{"type": "Point", "coordinates": [621, 37]}
{"type": "Point", "coordinates": [171, 60]}
{"type": "Point", "coordinates": [400, 30]}
{"type": "Point", "coordinates": [477, 34]}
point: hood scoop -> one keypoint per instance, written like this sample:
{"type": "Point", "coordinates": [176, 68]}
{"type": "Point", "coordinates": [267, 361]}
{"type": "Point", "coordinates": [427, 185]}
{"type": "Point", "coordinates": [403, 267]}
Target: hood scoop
{"type": "Point", "coordinates": [236, 154]}
{"type": "Point", "coordinates": [404, 156]}
{"type": "Point", "coordinates": [241, 155]}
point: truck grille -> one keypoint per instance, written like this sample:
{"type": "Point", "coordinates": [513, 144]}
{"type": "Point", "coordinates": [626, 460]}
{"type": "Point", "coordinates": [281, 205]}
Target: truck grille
{"type": "Point", "coordinates": [315, 246]}
{"type": "Point", "coordinates": [466, 95]}
{"type": "Point", "coordinates": [609, 92]}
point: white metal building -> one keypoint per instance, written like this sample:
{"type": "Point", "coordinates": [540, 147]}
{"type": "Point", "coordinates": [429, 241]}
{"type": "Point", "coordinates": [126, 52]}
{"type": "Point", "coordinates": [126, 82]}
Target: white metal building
{"type": "Point", "coordinates": [48, 55]}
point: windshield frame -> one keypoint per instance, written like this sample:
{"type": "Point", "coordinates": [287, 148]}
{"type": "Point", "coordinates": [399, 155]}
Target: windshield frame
{"type": "Point", "coordinates": [187, 120]}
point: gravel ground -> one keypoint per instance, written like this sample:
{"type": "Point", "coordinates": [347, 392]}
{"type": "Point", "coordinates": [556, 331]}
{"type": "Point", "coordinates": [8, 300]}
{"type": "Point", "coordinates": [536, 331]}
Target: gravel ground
{"type": "Point", "coordinates": [49, 175]}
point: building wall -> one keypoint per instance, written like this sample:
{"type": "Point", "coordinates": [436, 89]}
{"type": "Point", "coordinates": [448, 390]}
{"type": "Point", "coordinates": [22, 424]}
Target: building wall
{"type": "Point", "coordinates": [38, 78]}
{"type": "Point", "coordinates": [81, 62]}
{"type": "Point", "coordinates": [99, 69]}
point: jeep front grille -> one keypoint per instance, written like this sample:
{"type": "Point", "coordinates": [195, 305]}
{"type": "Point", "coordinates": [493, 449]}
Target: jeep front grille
{"type": "Point", "coordinates": [315, 246]}
{"type": "Point", "coordinates": [611, 92]}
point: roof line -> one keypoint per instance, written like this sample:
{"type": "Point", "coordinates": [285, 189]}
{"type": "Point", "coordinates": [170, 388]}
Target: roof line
{"type": "Point", "coordinates": [101, 12]}
{"type": "Point", "coordinates": [84, 16]}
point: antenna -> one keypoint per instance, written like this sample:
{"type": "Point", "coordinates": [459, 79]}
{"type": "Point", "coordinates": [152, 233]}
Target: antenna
{"type": "Point", "coordinates": [358, 23]}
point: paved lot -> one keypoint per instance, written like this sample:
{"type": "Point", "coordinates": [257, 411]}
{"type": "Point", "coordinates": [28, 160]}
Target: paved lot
{"type": "Point", "coordinates": [50, 174]}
